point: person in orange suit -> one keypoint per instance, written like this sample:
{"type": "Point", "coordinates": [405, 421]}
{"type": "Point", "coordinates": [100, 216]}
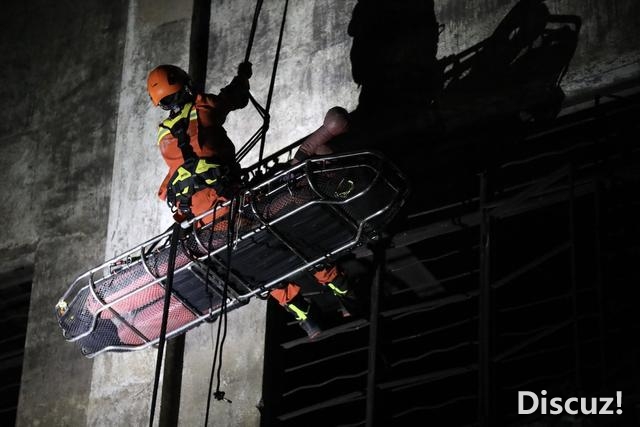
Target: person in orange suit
{"type": "Point", "coordinates": [192, 140]}
{"type": "Point", "coordinates": [201, 160]}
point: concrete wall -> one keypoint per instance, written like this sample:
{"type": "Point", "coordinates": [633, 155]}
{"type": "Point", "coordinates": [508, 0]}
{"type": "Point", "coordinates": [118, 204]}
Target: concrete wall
{"type": "Point", "coordinates": [76, 76]}
{"type": "Point", "coordinates": [313, 75]}
{"type": "Point", "coordinates": [314, 72]}
{"type": "Point", "coordinates": [157, 32]}
{"type": "Point", "coordinates": [60, 80]}
{"type": "Point", "coordinates": [608, 52]}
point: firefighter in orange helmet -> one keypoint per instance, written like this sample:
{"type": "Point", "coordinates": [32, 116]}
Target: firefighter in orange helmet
{"type": "Point", "coordinates": [201, 159]}
{"type": "Point", "coordinates": [192, 141]}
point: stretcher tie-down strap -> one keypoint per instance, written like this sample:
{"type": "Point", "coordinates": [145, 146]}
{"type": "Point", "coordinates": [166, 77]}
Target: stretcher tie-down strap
{"type": "Point", "coordinates": [303, 217]}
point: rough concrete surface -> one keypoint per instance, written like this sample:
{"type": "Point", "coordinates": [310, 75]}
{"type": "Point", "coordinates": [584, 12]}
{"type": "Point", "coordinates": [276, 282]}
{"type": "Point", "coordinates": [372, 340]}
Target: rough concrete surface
{"type": "Point", "coordinates": [313, 72]}
{"type": "Point", "coordinates": [313, 75]}
{"type": "Point", "coordinates": [60, 79]}
{"type": "Point", "coordinates": [156, 32]}
{"type": "Point", "coordinates": [607, 52]}
{"type": "Point", "coordinates": [78, 150]}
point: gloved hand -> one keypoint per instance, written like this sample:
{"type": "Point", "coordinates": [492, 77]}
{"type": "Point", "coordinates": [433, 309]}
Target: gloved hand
{"type": "Point", "coordinates": [244, 70]}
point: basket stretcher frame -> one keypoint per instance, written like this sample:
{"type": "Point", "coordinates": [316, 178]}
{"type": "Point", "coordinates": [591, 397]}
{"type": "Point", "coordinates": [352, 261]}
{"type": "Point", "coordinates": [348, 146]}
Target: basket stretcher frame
{"type": "Point", "coordinates": [235, 298]}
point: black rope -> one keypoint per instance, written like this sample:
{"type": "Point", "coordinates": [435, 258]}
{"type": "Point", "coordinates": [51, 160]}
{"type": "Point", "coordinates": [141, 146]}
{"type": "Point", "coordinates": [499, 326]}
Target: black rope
{"type": "Point", "coordinates": [209, 259]}
{"type": "Point", "coordinates": [261, 133]}
{"type": "Point", "coordinates": [173, 249]}
{"type": "Point", "coordinates": [217, 352]}
{"type": "Point", "coordinates": [252, 34]}
{"type": "Point", "coordinates": [273, 79]}
{"type": "Point", "coordinates": [246, 148]}
{"type": "Point", "coordinates": [219, 395]}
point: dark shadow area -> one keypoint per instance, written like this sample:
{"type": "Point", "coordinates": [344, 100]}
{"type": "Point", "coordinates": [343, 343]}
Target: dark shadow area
{"type": "Point", "coordinates": [514, 74]}
{"type": "Point", "coordinates": [15, 295]}
{"type": "Point", "coordinates": [393, 60]}
{"type": "Point", "coordinates": [510, 268]}
{"type": "Point", "coordinates": [446, 119]}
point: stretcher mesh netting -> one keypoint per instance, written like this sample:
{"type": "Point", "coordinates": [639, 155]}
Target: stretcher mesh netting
{"type": "Point", "coordinates": [301, 218]}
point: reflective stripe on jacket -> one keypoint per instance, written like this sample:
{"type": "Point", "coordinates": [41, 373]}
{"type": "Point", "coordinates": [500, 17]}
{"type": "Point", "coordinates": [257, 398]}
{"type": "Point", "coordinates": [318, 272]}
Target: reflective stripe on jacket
{"type": "Point", "coordinates": [207, 136]}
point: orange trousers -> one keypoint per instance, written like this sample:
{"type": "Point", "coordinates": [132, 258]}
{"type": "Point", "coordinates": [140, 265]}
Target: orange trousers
{"type": "Point", "coordinates": [287, 293]}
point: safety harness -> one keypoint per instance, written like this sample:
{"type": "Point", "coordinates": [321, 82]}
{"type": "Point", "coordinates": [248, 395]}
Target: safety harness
{"type": "Point", "coordinates": [196, 172]}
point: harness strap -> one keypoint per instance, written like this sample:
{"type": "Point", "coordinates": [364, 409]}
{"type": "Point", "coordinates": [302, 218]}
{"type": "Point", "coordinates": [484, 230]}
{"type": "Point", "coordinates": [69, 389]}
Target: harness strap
{"type": "Point", "coordinates": [195, 173]}
{"type": "Point", "coordinates": [179, 126]}
{"type": "Point", "coordinates": [168, 288]}
{"type": "Point", "coordinates": [260, 134]}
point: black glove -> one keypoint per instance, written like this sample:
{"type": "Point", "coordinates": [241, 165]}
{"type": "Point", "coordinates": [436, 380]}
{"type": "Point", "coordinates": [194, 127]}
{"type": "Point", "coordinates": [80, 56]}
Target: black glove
{"type": "Point", "coordinates": [244, 70]}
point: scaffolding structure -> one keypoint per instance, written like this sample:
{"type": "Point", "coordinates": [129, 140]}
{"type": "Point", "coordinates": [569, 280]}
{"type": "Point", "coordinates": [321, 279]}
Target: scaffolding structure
{"type": "Point", "coordinates": [520, 287]}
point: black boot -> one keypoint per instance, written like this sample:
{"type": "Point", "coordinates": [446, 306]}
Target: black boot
{"type": "Point", "coordinates": [346, 296]}
{"type": "Point", "coordinates": [300, 308]}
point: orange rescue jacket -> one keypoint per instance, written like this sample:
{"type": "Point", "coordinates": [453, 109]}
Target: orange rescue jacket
{"type": "Point", "coordinates": [207, 136]}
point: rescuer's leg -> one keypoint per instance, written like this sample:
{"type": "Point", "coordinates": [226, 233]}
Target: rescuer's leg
{"type": "Point", "coordinates": [292, 300]}
{"type": "Point", "coordinates": [338, 283]}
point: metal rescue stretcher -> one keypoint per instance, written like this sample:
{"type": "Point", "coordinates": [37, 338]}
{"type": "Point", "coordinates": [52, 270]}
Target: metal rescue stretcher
{"type": "Point", "coordinates": [302, 217]}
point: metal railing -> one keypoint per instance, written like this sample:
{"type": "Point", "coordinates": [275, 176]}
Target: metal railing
{"type": "Point", "coordinates": [121, 288]}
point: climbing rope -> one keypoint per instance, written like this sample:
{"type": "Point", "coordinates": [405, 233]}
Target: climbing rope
{"type": "Point", "coordinates": [261, 133]}
{"type": "Point", "coordinates": [252, 33]}
{"type": "Point", "coordinates": [173, 249]}
{"type": "Point", "coordinates": [222, 320]}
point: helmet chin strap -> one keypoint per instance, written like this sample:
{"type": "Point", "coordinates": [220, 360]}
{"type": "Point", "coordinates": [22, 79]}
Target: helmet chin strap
{"type": "Point", "coordinates": [186, 95]}
{"type": "Point", "coordinates": [187, 92]}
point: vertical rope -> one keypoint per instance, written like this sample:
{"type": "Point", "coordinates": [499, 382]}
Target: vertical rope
{"type": "Point", "coordinates": [174, 353]}
{"type": "Point", "coordinates": [273, 80]}
{"type": "Point", "coordinates": [261, 133]}
{"type": "Point", "coordinates": [175, 235]}
{"type": "Point", "coordinates": [252, 34]}
{"type": "Point", "coordinates": [217, 352]}
{"type": "Point", "coordinates": [379, 257]}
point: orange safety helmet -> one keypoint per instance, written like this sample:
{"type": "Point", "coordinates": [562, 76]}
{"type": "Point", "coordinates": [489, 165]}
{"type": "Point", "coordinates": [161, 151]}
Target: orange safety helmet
{"type": "Point", "coordinates": [165, 80]}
